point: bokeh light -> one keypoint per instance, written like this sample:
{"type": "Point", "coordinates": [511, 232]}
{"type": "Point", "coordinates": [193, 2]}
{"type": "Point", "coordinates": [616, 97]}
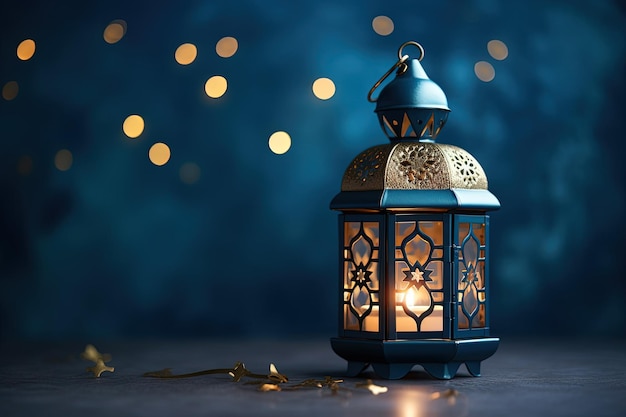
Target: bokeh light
{"type": "Point", "coordinates": [133, 126]}
{"type": "Point", "coordinates": [159, 154]}
{"type": "Point", "coordinates": [189, 173]}
{"type": "Point", "coordinates": [186, 53]}
{"type": "Point", "coordinates": [484, 71]}
{"type": "Point", "coordinates": [497, 49]}
{"type": "Point", "coordinates": [10, 90]}
{"type": "Point", "coordinates": [63, 160]}
{"type": "Point", "coordinates": [382, 25]}
{"type": "Point", "coordinates": [226, 47]}
{"type": "Point", "coordinates": [25, 165]}
{"type": "Point", "coordinates": [279, 142]}
{"type": "Point", "coordinates": [26, 49]}
{"type": "Point", "coordinates": [216, 86]}
{"type": "Point", "coordinates": [114, 31]}
{"type": "Point", "coordinates": [324, 88]}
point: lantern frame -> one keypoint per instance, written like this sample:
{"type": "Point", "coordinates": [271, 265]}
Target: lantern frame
{"type": "Point", "coordinates": [393, 353]}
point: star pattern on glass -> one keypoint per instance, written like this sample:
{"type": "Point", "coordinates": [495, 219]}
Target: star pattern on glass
{"type": "Point", "coordinates": [361, 275]}
{"type": "Point", "coordinates": [470, 274]}
{"type": "Point", "coordinates": [417, 275]}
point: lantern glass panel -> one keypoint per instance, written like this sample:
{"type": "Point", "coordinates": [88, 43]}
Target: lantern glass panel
{"type": "Point", "coordinates": [419, 276]}
{"type": "Point", "coordinates": [361, 248]}
{"type": "Point", "coordinates": [471, 281]}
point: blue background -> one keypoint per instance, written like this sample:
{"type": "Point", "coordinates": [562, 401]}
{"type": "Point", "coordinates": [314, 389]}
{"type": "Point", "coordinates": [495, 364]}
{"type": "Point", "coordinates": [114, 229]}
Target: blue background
{"type": "Point", "coordinates": [116, 247]}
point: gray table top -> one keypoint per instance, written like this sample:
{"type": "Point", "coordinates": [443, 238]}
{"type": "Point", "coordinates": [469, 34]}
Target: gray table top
{"type": "Point", "coordinates": [524, 378]}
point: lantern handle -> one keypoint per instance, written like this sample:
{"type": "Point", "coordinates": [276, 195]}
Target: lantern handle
{"type": "Point", "coordinates": [401, 63]}
{"type": "Point", "coordinates": [417, 45]}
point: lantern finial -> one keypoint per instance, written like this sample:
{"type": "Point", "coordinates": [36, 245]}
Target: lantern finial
{"type": "Point", "coordinates": [411, 107]}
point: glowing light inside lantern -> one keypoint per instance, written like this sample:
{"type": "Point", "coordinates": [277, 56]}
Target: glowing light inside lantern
{"type": "Point", "coordinates": [114, 31]}
{"type": "Point", "coordinates": [484, 71]}
{"type": "Point", "coordinates": [186, 53]}
{"type": "Point", "coordinates": [159, 154]}
{"type": "Point", "coordinates": [382, 25]}
{"type": "Point", "coordinates": [133, 126]}
{"type": "Point", "coordinates": [63, 160]}
{"type": "Point", "coordinates": [26, 49]}
{"type": "Point", "coordinates": [324, 88]}
{"type": "Point", "coordinates": [497, 49]}
{"type": "Point", "coordinates": [10, 90]}
{"type": "Point", "coordinates": [227, 47]}
{"type": "Point", "coordinates": [216, 86]}
{"type": "Point", "coordinates": [279, 142]}
{"type": "Point", "coordinates": [189, 173]}
{"type": "Point", "coordinates": [409, 298]}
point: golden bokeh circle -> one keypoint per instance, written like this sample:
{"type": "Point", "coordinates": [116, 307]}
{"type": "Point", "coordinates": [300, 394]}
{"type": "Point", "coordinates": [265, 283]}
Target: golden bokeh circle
{"type": "Point", "coordinates": [63, 160]}
{"type": "Point", "coordinates": [484, 71]}
{"type": "Point", "coordinates": [497, 49]}
{"type": "Point", "coordinates": [279, 142]}
{"type": "Point", "coordinates": [323, 88]}
{"type": "Point", "coordinates": [114, 31]}
{"type": "Point", "coordinates": [216, 86]}
{"type": "Point", "coordinates": [133, 126]}
{"type": "Point", "coordinates": [10, 90]}
{"type": "Point", "coordinates": [382, 25]}
{"type": "Point", "coordinates": [186, 53]}
{"type": "Point", "coordinates": [26, 49]}
{"type": "Point", "coordinates": [227, 47]}
{"type": "Point", "coordinates": [159, 154]}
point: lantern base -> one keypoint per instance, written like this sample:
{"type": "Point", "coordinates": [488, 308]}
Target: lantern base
{"type": "Point", "coordinates": [393, 359]}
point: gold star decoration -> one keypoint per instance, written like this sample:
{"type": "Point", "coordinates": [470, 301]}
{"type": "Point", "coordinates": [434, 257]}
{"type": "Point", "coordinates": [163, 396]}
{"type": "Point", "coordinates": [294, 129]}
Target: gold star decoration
{"type": "Point", "coordinates": [374, 389]}
{"type": "Point", "coordinates": [99, 368]}
{"type": "Point", "coordinates": [91, 354]}
{"type": "Point", "coordinates": [275, 375]}
{"type": "Point", "coordinates": [238, 372]}
{"type": "Point", "coordinates": [450, 395]}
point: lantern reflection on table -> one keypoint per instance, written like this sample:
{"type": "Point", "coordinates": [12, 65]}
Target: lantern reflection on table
{"type": "Point", "coordinates": [413, 241]}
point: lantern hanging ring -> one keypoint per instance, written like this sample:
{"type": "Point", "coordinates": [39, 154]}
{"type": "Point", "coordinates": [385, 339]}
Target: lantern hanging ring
{"type": "Point", "coordinates": [400, 65]}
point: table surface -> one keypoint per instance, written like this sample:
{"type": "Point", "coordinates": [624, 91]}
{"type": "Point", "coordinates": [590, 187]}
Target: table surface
{"type": "Point", "coordinates": [523, 378]}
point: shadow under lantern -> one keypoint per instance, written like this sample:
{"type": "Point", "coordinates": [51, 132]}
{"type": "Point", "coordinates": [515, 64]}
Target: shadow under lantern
{"type": "Point", "coordinates": [413, 241]}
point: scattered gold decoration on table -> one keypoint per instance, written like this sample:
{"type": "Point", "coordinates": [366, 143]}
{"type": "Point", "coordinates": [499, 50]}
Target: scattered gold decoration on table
{"type": "Point", "coordinates": [374, 389]}
{"type": "Point", "coordinates": [91, 354]}
{"type": "Point", "coordinates": [450, 395]}
{"type": "Point", "coordinates": [238, 372]}
{"type": "Point", "coordinates": [274, 381]}
{"type": "Point", "coordinates": [269, 387]}
{"type": "Point", "coordinates": [99, 368]}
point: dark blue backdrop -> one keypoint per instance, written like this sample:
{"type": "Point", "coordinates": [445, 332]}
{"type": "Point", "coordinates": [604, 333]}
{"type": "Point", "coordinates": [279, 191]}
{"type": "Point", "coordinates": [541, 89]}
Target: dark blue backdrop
{"type": "Point", "coordinates": [118, 247]}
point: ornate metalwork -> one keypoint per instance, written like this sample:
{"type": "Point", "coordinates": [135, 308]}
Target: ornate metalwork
{"type": "Point", "coordinates": [471, 283]}
{"type": "Point", "coordinates": [414, 166]}
{"type": "Point", "coordinates": [366, 171]}
{"type": "Point", "coordinates": [465, 171]}
{"type": "Point", "coordinates": [361, 291]}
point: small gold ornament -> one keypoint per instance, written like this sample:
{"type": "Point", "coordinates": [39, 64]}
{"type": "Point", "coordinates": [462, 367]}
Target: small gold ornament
{"type": "Point", "coordinates": [99, 368]}
{"type": "Point", "coordinates": [374, 389]}
{"type": "Point", "coordinates": [450, 395]}
{"type": "Point", "coordinates": [91, 354]}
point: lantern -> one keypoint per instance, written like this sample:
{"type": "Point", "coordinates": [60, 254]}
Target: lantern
{"type": "Point", "coordinates": [413, 241]}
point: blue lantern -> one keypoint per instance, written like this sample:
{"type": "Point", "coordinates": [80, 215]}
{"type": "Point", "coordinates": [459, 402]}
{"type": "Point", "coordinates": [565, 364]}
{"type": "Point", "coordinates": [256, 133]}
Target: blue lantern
{"type": "Point", "coordinates": [413, 241]}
